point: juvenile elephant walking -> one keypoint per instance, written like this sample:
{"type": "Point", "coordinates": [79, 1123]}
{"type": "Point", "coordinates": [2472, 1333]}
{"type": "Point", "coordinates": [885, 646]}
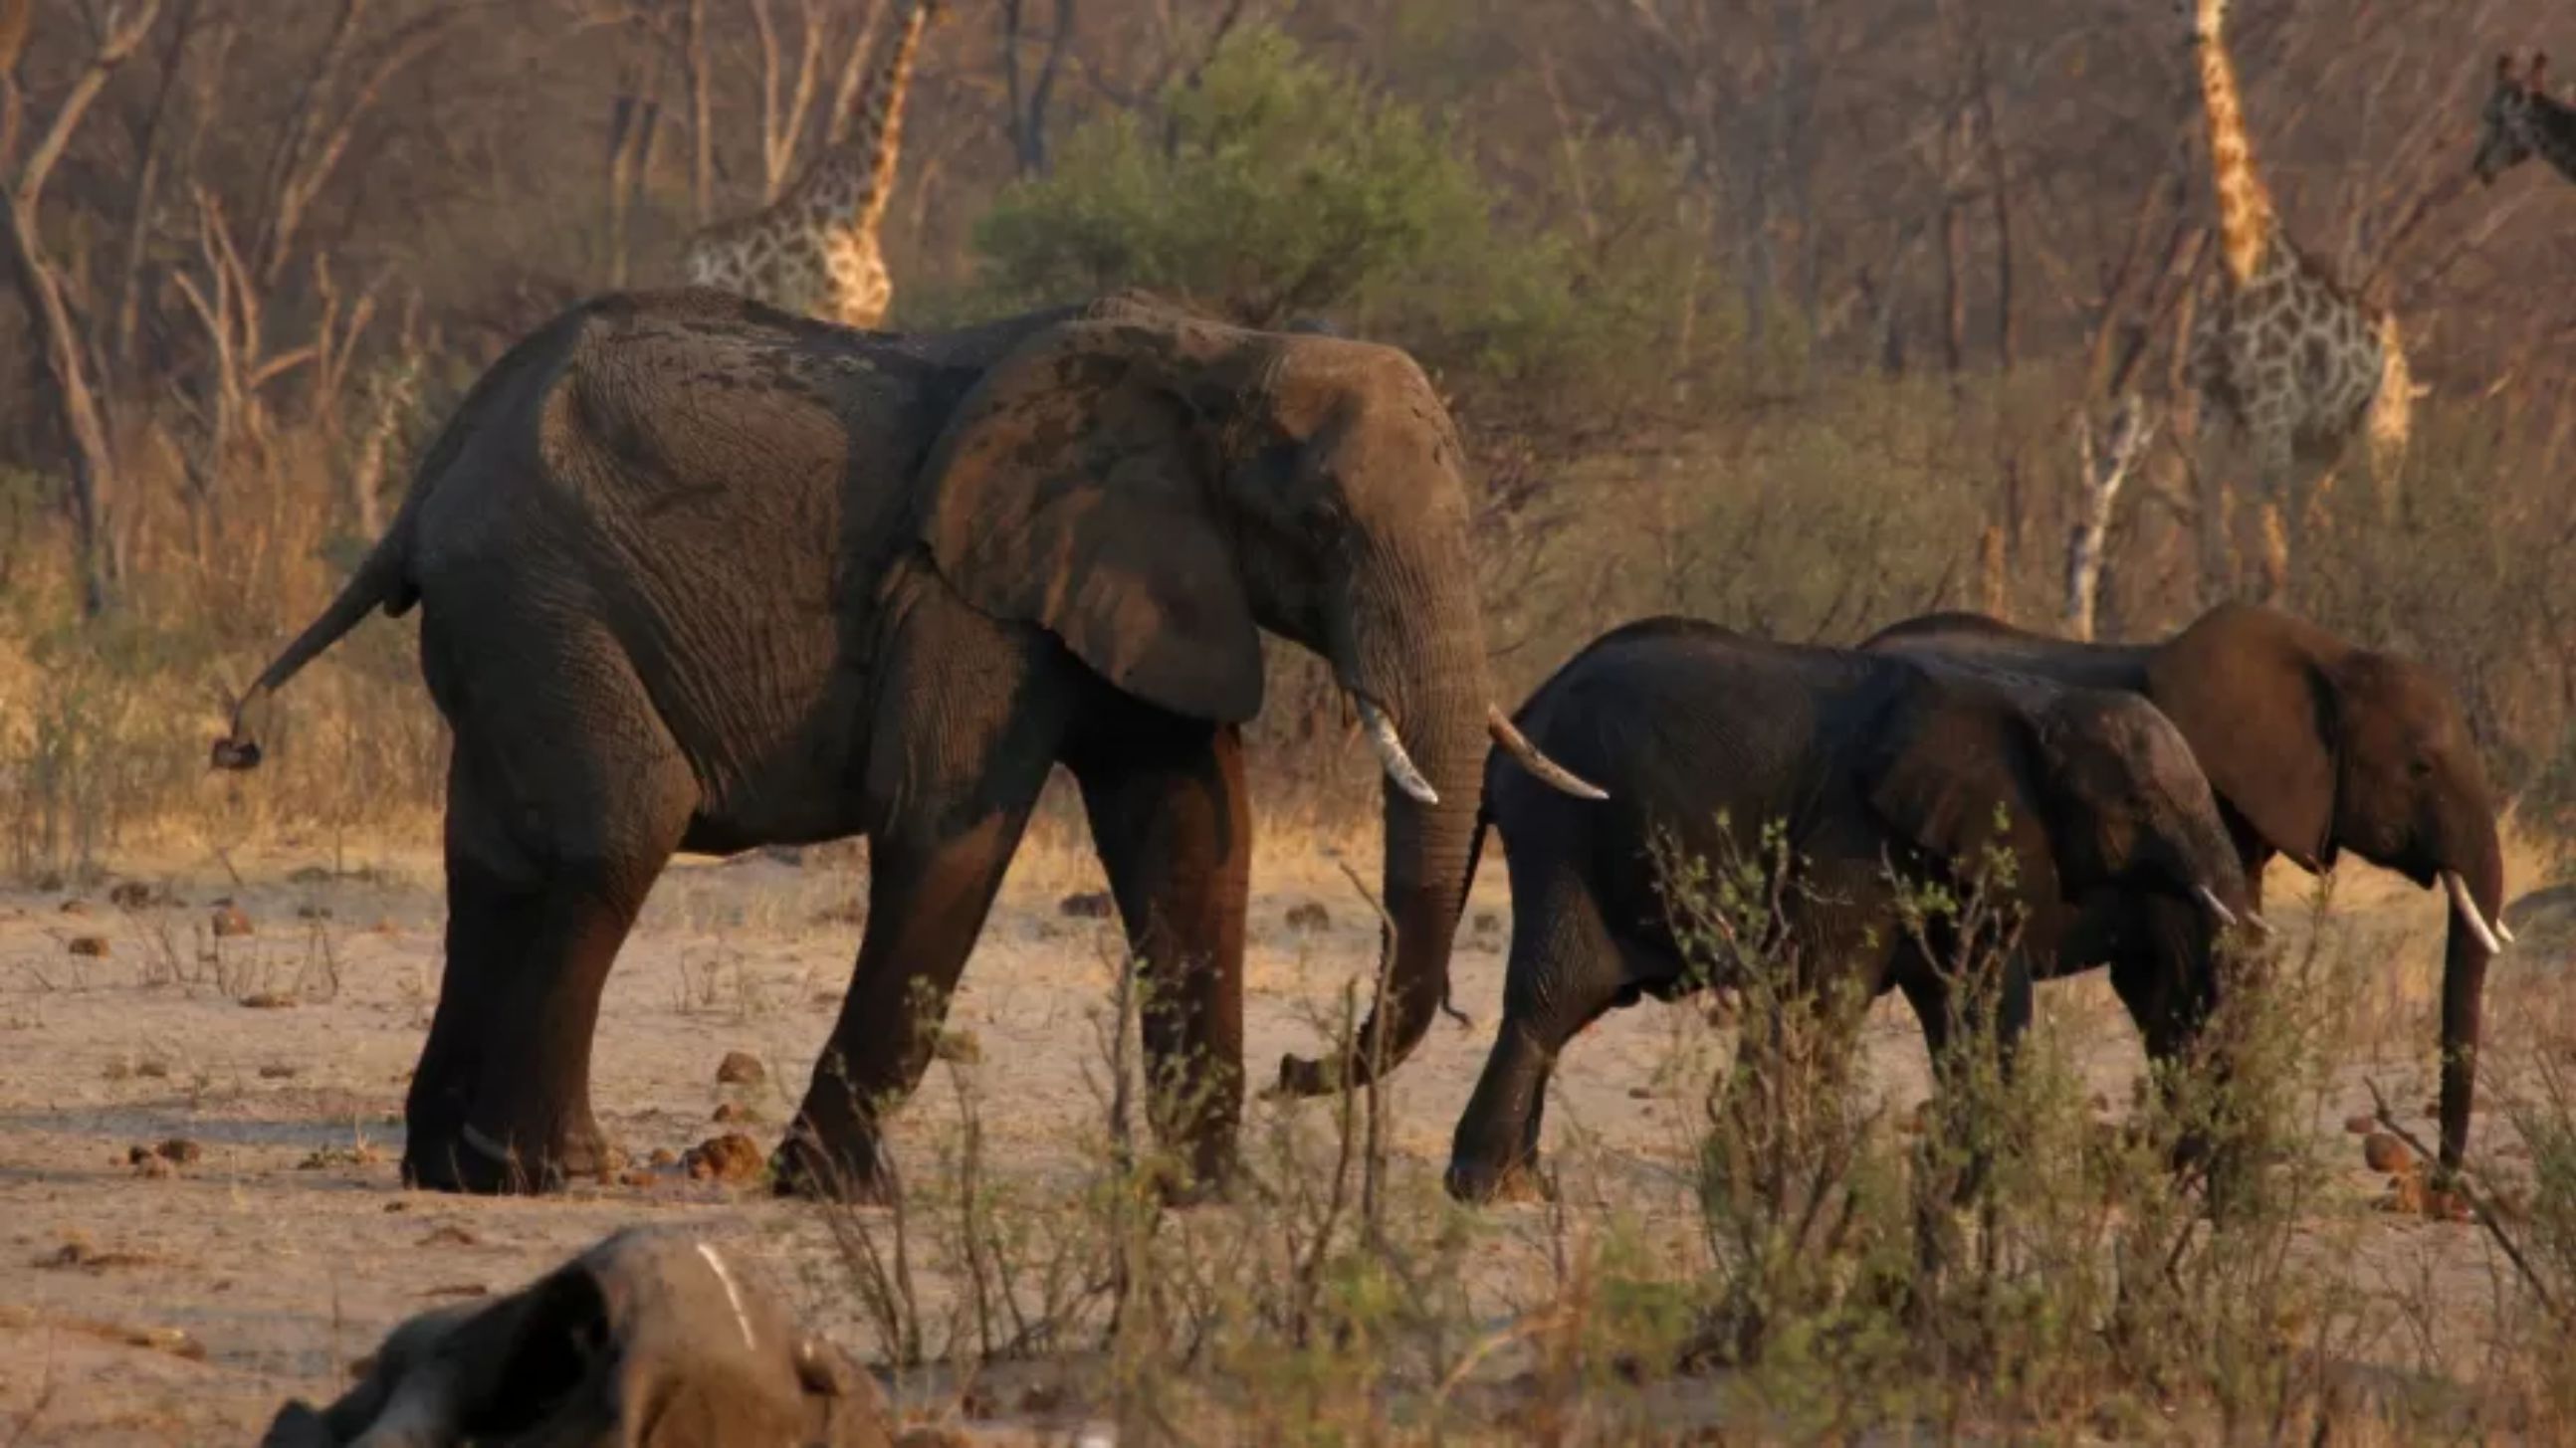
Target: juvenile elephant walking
{"type": "Point", "coordinates": [1707, 738]}
{"type": "Point", "coordinates": [2315, 746]}
{"type": "Point", "coordinates": [698, 575]}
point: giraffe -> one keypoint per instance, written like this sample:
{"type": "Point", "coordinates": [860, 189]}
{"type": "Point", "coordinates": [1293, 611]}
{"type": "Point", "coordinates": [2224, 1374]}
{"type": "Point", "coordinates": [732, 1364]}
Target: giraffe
{"type": "Point", "coordinates": [2523, 120]}
{"type": "Point", "coordinates": [2298, 363]}
{"type": "Point", "coordinates": [814, 250]}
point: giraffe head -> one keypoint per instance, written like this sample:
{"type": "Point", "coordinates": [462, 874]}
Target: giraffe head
{"type": "Point", "coordinates": [2202, 19]}
{"type": "Point", "coordinates": [2504, 128]}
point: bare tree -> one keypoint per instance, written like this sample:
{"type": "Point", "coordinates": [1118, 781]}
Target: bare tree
{"type": "Point", "coordinates": [2103, 469]}
{"type": "Point", "coordinates": [63, 353]}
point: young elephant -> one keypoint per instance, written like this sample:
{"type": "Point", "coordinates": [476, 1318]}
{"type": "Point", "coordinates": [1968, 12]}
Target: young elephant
{"type": "Point", "coordinates": [1868, 762]}
{"type": "Point", "coordinates": [650, 1339]}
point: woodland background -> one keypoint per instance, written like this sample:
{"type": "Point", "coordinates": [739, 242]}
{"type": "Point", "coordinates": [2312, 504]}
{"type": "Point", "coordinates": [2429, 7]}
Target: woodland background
{"type": "Point", "coordinates": [1801, 316]}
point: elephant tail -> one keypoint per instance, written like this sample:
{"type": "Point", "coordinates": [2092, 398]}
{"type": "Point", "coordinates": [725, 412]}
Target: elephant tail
{"type": "Point", "coordinates": [1475, 856]}
{"type": "Point", "coordinates": [382, 581]}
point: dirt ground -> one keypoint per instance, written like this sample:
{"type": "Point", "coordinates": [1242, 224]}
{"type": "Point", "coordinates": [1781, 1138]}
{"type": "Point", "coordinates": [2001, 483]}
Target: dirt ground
{"type": "Point", "coordinates": [158, 1303]}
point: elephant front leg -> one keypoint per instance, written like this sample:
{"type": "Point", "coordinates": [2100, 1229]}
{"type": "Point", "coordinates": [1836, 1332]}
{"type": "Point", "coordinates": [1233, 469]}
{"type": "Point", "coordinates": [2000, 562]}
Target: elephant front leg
{"type": "Point", "coordinates": [2169, 981]}
{"type": "Point", "coordinates": [1173, 824]}
{"type": "Point", "coordinates": [927, 901]}
{"type": "Point", "coordinates": [1565, 973]}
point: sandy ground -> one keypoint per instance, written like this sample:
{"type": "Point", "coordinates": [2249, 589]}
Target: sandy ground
{"type": "Point", "coordinates": [146, 1306]}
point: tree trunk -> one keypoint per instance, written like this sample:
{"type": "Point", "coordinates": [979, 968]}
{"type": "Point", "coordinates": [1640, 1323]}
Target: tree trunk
{"type": "Point", "coordinates": [91, 489]}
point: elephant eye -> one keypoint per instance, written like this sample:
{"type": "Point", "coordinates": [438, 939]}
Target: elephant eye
{"type": "Point", "coordinates": [2419, 768]}
{"type": "Point", "coordinates": [1323, 520]}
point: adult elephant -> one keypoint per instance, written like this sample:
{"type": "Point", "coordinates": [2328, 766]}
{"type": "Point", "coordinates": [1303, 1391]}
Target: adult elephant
{"type": "Point", "coordinates": [697, 575]}
{"type": "Point", "coordinates": [2315, 746]}
{"type": "Point", "coordinates": [1705, 738]}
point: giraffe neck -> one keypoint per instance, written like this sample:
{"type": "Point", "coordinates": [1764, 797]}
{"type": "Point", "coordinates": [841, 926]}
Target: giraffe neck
{"type": "Point", "coordinates": [850, 184]}
{"type": "Point", "coordinates": [2549, 128]}
{"type": "Point", "coordinates": [2245, 219]}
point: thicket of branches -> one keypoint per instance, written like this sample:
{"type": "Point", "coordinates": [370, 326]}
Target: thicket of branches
{"type": "Point", "coordinates": [1797, 314]}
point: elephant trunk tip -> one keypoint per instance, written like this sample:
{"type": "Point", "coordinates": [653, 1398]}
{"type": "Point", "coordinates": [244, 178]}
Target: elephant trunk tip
{"type": "Point", "coordinates": [234, 752]}
{"type": "Point", "coordinates": [239, 746]}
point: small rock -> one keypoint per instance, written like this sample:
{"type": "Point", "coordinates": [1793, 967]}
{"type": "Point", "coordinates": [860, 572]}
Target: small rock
{"type": "Point", "coordinates": [152, 1068]}
{"type": "Point", "coordinates": [636, 1179]}
{"type": "Point", "coordinates": [732, 1157]}
{"type": "Point", "coordinates": [740, 1068]}
{"type": "Point", "coordinates": [1488, 922]}
{"type": "Point", "coordinates": [2361, 1123]}
{"type": "Point", "coordinates": [1641, 1093]}
{"type": "Point", "coordinates": [459, 1289]}
{"type": "Point", "coordinates": [735, 1111]}
{"type": "Point", "coordinates": [2385, 1153]}
{"type": "Point", "coordinates": [75, 906]}
{"type": "Point", "coordinates": [308, 875]}
{"type": "Point", "coordinates": [1084, 905]}
{"type": "Point", "coordinates": [269, 1000]}
{"type": "Point", "coordinates": [153, 1168]}
{"type": "Point", "coordinates": [176, 1151]}
{"type": "Point", "coordinates": [312, 912]}
{"type": "Point", "coordinates": [228, 921]}
{"type": "Point", "coordinates": [2443, 1206]}
{"type": "Point", "coordinates": [130, 894]}
{"type": "Point", "coordinates": [94, 946]}
{"type": "Point", "coordinates": [663, 1156]}
{"type": "Point", "coordinates": [957, 1047]}
{"type": "Point", "coordinates": [1308, 917]}
{"type": "Point", "coordinates": [449, 1236]}
{"type": "Point", "coordinates": [279, 1071]}
{"type": "Point", "coordinates": [166, 1339]}
{"type": "Point", "coordinates": [397, 1206]}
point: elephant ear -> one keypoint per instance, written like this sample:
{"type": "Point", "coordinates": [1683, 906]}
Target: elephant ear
{"type": "Point", "coordinates": [1076, 488]}
{"type": "Point", "coordinates": [2248, 689]}
{"type": "Point", "coordinates": [1959, 770]}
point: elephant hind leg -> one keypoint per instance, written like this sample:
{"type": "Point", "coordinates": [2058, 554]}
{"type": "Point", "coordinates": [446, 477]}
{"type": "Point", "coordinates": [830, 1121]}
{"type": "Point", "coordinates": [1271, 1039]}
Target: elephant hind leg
{"type": "Point", "coordinates": [565, 800]}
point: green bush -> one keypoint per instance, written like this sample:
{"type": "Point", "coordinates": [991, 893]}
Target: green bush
{"type": "Point", "coordinates": [1275, 186]}
{"type": "Point", "coordinates": [1279, 186]}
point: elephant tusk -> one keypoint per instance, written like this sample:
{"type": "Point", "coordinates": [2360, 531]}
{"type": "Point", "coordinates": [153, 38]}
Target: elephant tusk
{"type": "Point", "coordinates": [1547, 771]}
{"type": "Point", "coordinates": [1391, 757]}
{"type": "Point", "coordinates": [2467, 906]}
{"type": "Point", "coordinates": [2217, 907]}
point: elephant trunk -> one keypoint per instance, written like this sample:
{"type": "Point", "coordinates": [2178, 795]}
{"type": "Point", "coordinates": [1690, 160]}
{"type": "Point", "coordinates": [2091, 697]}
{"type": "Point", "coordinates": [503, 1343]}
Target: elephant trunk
{"type": "Point", "coordinates": [1418, 675]}
{"type": "Point", "coordinates": [2476, 891]}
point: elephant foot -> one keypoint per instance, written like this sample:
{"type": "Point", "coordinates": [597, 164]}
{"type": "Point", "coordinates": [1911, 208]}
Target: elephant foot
{"type": "Point", "coordinates": [1201, 1186]}
{"type": "Point", "coordinates": [1482, 1184]}
{"type": "Point", "coordinates": [860, 1174]}
{"type": "Point", "coordinates": [470, 1161]}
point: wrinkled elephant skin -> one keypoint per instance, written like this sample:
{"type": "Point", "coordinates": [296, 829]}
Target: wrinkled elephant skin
{"type": "Point", "coordinates": [696, 575]}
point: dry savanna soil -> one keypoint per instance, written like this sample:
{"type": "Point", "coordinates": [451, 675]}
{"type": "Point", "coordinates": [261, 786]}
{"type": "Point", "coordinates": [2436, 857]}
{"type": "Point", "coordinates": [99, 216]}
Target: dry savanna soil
{"type": "Point", "coordinates": [203, 1059]}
